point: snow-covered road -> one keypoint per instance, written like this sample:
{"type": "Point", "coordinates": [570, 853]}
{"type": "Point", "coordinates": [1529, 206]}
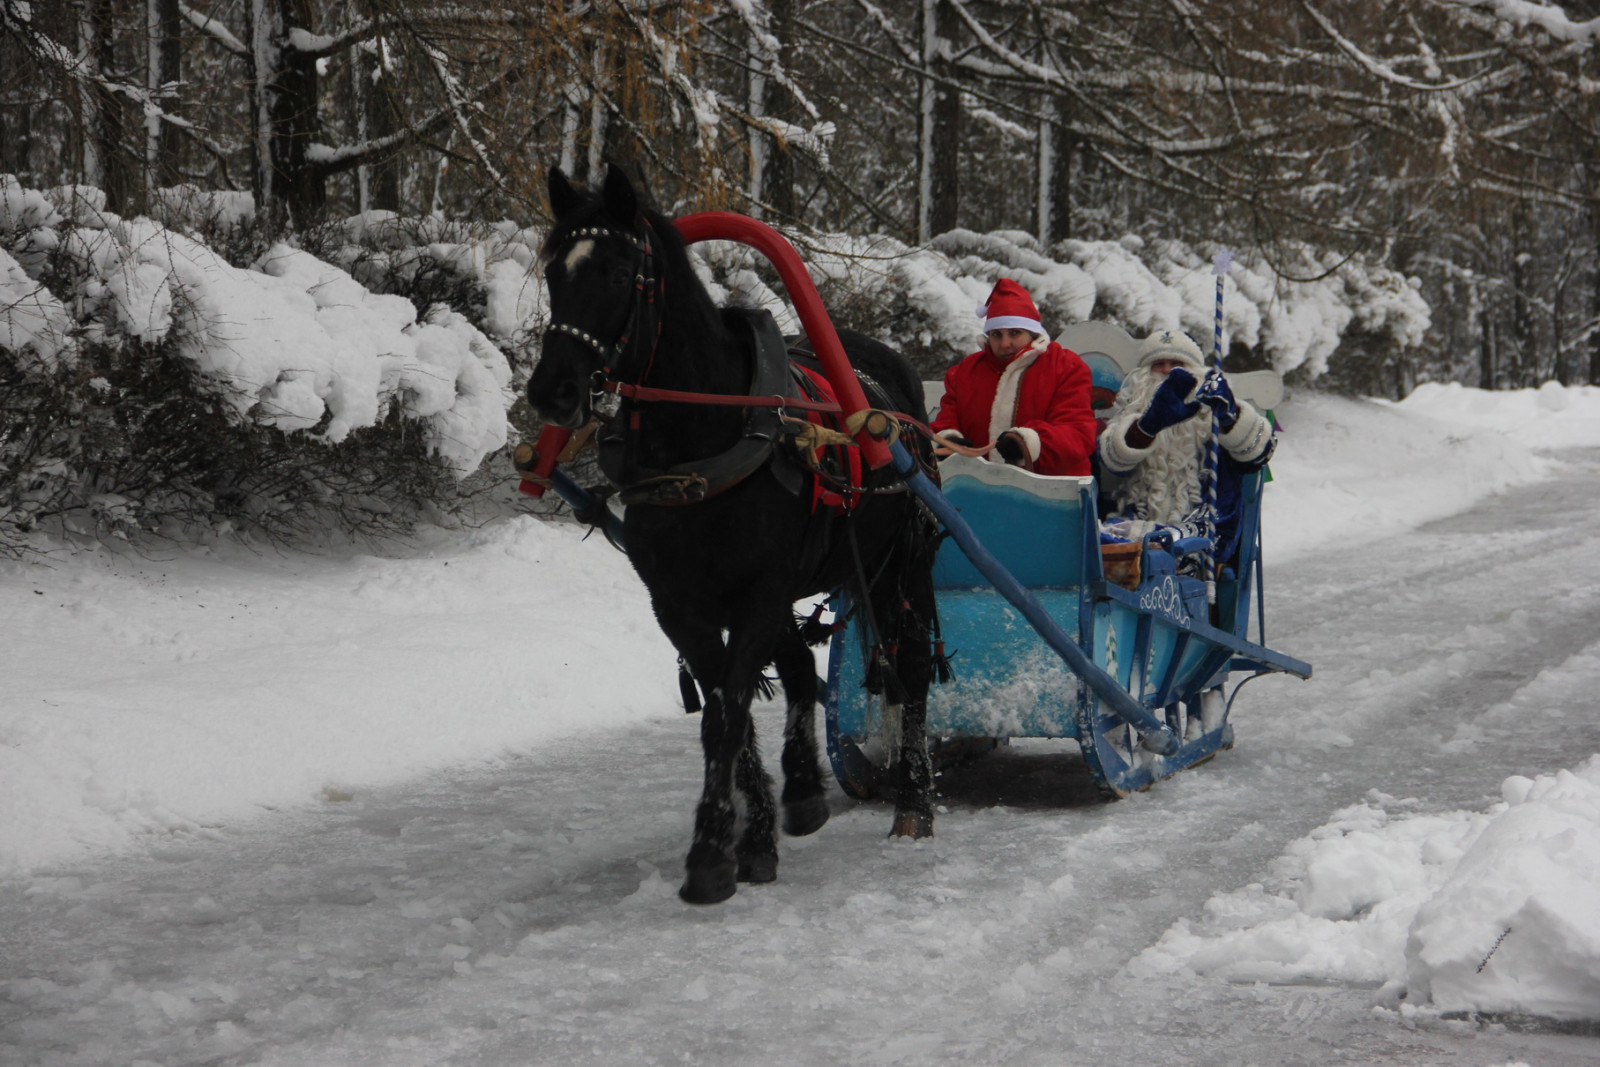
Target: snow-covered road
{"type": "Point", "coordinates": [526, 913]}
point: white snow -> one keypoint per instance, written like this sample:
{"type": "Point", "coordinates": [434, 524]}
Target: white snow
{"type": "Point", "coordinates": [294, 343]}
{"type": "Point", "coordinates": [1495, 911]}
{"type": "Point", "coordinates": [31, 318]}
{"type": "Point", "coordinates": [148, 697]}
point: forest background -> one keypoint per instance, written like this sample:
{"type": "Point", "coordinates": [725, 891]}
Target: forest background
{"type": "Point", "coordinates": [1432, 158]}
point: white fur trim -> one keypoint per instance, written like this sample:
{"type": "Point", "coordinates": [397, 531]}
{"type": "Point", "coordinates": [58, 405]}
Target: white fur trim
{"type": "Point", "coordinates": [1171, 344]}
{"type": "Point", "coordinates": [1003, 413]}
{"type": "Point", "coordinates": [1250, 437]}
{"type": "Point", "coordinates": [1030, 441]}
{"type": "Point", "coordinates": [1116, 455]}
{"type": "Point", "coordinates": [947, 434]}
{"type": "Point", "coordinates": [1012, 322]}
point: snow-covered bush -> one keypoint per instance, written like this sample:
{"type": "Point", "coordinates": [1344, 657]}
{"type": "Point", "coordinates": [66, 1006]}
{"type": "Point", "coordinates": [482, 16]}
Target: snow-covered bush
{"type": "Point", "coordinates": [185, 366]}
{"type": "Point", "coordinates": [924, 301]}
{"type": "Point", "coordinates": [485, 272]}
{"type": "Point", "coordinates": [140, 366]}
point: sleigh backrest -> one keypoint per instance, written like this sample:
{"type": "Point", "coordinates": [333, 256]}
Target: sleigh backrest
{"type": "Point", "coordinates": [1037, 526]}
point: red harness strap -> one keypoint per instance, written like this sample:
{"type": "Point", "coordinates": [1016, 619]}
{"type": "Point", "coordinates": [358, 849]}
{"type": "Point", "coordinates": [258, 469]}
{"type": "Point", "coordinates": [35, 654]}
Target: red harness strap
{"type": "Point", "coordinates": [826, 492]}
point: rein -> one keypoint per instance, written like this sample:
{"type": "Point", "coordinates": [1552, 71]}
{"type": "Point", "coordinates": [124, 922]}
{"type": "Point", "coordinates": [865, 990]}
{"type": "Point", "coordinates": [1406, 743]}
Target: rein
{"type": "Point", "coordinates": [677, 396]}
{"type": "Point", "coordinates": [645, 393]}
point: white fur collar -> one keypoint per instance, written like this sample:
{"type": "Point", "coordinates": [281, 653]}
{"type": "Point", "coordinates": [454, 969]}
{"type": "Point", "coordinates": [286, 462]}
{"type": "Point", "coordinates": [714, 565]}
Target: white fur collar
{"type": "Point", "coordinates": [1003, 414]}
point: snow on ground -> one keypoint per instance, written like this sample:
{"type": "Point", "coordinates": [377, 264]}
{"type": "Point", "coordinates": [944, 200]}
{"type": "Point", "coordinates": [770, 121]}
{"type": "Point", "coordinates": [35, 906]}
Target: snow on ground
{"type": "Point", "coordinates": [150, 695]}
{"type": "Point", "coordinates": [1492, 911]}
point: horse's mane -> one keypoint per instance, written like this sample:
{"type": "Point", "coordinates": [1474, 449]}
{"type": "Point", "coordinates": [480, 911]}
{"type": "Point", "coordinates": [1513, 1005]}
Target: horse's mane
{"type": "Point", "coordinates": [690, 311]}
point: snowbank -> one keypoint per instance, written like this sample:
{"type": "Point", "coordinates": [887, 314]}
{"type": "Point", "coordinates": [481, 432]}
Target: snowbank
{"type": "Point", "coordinates": [924, 300]}
{"type": "Point", "coordinates": [1349, 470]}
{"type": "Point", "coordinates": [313, 347]}
{"type": "Point", "coordinates": [1493, 912]}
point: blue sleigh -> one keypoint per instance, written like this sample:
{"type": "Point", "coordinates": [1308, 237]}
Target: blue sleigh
{"type": "Point", "coordinates": [1045, 646]}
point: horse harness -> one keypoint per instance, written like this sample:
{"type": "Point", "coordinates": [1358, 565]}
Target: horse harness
{"type": "Point", "coordinates": [821, 456]}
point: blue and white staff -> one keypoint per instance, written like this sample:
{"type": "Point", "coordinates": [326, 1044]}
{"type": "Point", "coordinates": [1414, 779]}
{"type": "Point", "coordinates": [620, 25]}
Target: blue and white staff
{"type": "Point", "coordinates": [1221, 263]}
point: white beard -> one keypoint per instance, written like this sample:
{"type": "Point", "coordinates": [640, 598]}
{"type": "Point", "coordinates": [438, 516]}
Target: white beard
{"type": "Point", "coordinates": [1165, 486]}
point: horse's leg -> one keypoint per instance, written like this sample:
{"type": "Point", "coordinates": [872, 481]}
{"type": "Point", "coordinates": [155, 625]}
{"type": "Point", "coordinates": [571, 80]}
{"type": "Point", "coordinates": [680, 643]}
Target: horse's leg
{"type": "Point", "coordinates": [726, 733]}
{"type": "Point", "coordinates": [750, 648]}
{"type": "Point", "coordinates": [710, 866]}
{"type": "Point", "coordinates": [804, 808]}
{"type": "Point", "coordinates": [910, 607]}
{"type": "Point", "coordinates": [757, 851]}
{"type": "Point", "coordinates": [711, 872]}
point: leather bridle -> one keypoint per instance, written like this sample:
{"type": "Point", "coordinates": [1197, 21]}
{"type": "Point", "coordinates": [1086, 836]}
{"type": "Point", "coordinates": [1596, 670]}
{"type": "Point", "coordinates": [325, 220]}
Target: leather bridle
{"type": "Point", "coordinates": [644, 313]}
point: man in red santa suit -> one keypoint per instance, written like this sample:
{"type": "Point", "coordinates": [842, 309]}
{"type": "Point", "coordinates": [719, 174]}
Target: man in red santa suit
{"type": "Point", "coordinates": [1024, 397]}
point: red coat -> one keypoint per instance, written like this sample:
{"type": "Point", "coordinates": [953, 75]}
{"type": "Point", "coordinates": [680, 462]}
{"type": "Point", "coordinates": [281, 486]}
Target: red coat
{"type": "Point", "coordinates": [1041, 394]}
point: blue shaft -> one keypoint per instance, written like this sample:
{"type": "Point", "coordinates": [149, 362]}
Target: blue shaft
{"type": "Point", "coordinates": [1111, 694]}
{"type": "Point", "coordinates": [579, 498]}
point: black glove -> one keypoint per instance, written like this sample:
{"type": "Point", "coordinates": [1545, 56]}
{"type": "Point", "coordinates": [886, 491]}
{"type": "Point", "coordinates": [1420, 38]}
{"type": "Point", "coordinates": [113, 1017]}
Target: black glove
{"type": "Point", "coordinates": [1169, 406]}
{"type": "Point", "coordinates": [1011, 449]}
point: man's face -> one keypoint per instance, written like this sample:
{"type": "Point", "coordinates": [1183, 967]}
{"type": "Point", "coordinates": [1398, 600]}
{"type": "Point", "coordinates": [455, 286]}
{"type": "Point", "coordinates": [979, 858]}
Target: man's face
{"type": "Point", "coordinates": [1008, 342]}
{"type": "Point", "coordinates": [1162, 367]}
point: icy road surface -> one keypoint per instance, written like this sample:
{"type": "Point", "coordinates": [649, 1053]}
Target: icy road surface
{"type": "Point", "coordinates": [527, 915]}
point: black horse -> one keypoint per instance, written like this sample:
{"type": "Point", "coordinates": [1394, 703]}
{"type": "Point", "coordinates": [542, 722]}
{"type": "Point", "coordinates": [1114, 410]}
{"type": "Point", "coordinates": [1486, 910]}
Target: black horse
{"type": "Point", "coordinates": [726, 550]}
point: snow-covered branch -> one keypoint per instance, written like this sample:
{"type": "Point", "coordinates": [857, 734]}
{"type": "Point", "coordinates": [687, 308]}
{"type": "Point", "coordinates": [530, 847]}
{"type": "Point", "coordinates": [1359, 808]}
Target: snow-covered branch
{"type": "Point", "coordinates": [1550, 18]}
{"type": "Point", "coordinates": [460, 103]}
{"type": "Point", "coordinates": [327, 44]}
{"type": "Point", "coordinates": [1371, 65]}
{"type": "Point", "coordinates": [909, 53]}
{"type": "Point", "coordinates": [17, 17]}
{"type": "Point", "coordinates": [214, 29]}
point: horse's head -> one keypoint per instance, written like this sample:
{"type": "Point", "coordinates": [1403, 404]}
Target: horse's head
{"type": "Point", "coordinates": [600, 263]}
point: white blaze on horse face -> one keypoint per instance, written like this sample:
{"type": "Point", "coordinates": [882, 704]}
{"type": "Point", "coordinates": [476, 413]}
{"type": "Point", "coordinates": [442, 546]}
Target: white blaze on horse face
{"type": "Point", "coordinates": [579, 253]}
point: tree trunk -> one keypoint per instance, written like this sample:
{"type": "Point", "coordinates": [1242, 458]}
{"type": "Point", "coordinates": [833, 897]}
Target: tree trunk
{"type": "Point", "coordinates": [164, 73]}
{"type": "Point", "coordinates": [1056, 150]}
{"type": "Point", "coordinates": [105, 158]}
{"type": "Point", "coordinates": [1558, 312]}
{"type": "Point", "coordinates": [378, 183]}
{"type": "Point", "coordinates": [599, 116]}
{"type": "Point", "coordinates": [16, 137]}
{"type": "Point", "coordinates": [1486, 358]}
{"type": "Point", "coordinates": [1524, 350]}
{"type": "Point", "coordinates": [1594, 282]}
{"type": "Point", "coordinates": [778, 186]}
{"type": "Point", "coordinates": [284, 91]}
{"type": "Point", "coordinates": [939, 126]}
{"type": "Point", "coordinates": [771, 161]}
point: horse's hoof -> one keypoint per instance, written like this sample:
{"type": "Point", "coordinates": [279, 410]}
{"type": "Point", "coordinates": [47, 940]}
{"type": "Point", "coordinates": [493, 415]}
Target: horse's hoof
{"type": "Point", "coordinates": [759, 868]}
{"type": "Point", "coordinates": [709, 885]}
{"type": "Point", "coordinates": [802, 817]}
{"type": "Point", "coordinates": [911, 824]}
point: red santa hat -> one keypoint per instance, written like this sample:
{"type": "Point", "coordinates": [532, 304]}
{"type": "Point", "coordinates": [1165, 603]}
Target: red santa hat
{"type": "Point", "coordinates": [1010, 308]}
